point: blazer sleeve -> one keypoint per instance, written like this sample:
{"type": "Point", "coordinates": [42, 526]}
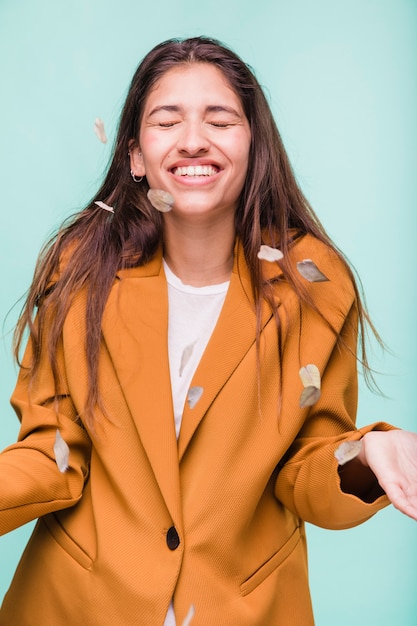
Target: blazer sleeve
{"type": "Point", "coordinates": [308, 482]}
{"type": "Point", "coordinates": [31, 484]}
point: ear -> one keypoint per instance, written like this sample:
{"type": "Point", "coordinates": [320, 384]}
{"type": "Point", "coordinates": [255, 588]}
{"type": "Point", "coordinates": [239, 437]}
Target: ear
{"type": "Point", "coordinates": [136, 159]}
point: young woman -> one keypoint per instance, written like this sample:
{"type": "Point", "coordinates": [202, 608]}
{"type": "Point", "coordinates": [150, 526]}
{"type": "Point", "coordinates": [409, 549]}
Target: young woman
{"type": "Point", "coordinates": [190, 376]}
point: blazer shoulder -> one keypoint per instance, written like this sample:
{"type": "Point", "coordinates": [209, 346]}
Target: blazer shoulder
{"type": "Point", "coordinates": [324, 257]}
{"type": "Point", "coordinates": [324, 276]}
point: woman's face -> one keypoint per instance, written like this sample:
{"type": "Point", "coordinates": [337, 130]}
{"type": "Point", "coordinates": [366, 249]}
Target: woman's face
{"type": "Point", "coordinates": [194, 141]}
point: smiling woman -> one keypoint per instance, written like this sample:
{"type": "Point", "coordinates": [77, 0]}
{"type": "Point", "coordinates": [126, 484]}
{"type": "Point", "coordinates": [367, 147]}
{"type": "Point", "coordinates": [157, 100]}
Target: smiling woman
{"type": "Point", "coordinates": [188, 392]}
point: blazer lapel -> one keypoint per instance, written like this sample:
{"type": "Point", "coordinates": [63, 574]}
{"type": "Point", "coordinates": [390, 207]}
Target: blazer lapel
{"type": "Point", "coordinates": [233, 336]}
{"type": "Point", "coordinates": [135, 329]}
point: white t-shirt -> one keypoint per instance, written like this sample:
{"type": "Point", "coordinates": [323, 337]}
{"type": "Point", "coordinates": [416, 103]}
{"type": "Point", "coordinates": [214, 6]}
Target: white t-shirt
{"type": "Point", "coordinates": [192, 315]}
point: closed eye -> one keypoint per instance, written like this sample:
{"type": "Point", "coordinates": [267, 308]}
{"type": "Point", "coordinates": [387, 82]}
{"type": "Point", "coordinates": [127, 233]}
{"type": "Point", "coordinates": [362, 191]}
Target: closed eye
{"type": "Point", "coordinates": [220, 124]}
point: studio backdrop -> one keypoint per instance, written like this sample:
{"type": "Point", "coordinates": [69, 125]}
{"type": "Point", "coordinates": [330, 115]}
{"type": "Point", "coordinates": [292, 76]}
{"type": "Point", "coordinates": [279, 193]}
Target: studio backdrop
{"type": "Point", "coordinates": [341, 79]}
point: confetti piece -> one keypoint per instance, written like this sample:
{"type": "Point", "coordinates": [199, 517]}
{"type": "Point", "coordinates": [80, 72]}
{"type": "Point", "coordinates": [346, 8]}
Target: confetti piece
{"type": "Point", "coordinates": [99, 130]}
{"type": "Point", "coordinates": [347, 451]}
{"type": "Point", "coordinates": [189, 616]}
{"type": "Point", "coordinates": [311, 272]}
{"type": "Point", "coordinates": [186, 355]}
{"type": "Point", "coordinates": [310, 377]}
{"type": "Point", "coordinates": [267, 253]}
{"type": "Point", "coordinates": [61, 452]}
{"type": "Point", "coordinates": [309, 396]}
{"type": "Point", "coordinates": [104, 206]}
{"type": "Point", "coordinates": [194, 395]}
{"type": "Point", "coordinates": [161, 200]}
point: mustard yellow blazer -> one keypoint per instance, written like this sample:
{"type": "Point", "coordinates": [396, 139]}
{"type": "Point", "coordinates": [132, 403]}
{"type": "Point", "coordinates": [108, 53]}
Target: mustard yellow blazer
{"type": "Point", "coordinates": [214, 520]}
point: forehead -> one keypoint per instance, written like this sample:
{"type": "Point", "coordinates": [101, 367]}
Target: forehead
{"type": "Point", "coordinates": [193, 83]}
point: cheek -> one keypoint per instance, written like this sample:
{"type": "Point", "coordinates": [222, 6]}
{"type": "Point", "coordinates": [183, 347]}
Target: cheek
{"type": "Point", "coordinates": [152, 153]}
{"type": "Point", "coordinates": [239, 148]}
{"type": "Point", "coordinates": [150, 145]}
{"type": "Point", "coordinates": [242, 160]}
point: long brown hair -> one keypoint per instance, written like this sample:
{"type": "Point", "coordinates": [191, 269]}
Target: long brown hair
{"type": "Point", "coordinates": [93, 245]}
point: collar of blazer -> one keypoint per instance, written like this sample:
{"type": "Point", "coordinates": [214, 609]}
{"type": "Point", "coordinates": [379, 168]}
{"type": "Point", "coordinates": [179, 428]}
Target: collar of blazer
{"type": "Point", "coordinates": [135, 330]}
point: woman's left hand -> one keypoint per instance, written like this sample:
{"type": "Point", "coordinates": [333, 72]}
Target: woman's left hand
{"type": "Point", "coordinates": [392, 456]}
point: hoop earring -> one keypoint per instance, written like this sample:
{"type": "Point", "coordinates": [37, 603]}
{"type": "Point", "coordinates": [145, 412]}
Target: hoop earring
{"type": "Point", "coordinates": [136, 179]}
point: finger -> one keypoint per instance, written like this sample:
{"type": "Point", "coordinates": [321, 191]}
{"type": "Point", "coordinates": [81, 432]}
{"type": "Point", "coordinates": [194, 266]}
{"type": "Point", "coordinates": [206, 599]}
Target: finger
{"type": "Point", "coordinates": [406, 503]}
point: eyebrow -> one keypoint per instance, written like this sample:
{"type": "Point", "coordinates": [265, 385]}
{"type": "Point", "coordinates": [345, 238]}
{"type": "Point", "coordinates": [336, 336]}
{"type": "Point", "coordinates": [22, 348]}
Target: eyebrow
{"type": "Point", "coordinates": [215, 108]}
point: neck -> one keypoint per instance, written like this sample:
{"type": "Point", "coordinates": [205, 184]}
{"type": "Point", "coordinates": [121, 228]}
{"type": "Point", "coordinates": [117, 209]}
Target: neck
{"type": "Point", "coordinates": [199, 253]}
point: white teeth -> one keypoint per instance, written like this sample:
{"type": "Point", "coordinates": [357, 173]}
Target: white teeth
{"type": "Point", "coordinates": [195, 170]}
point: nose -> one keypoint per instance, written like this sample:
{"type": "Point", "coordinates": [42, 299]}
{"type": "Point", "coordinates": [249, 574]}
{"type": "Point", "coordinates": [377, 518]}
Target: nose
{"type": "Point", "coordinates": [193, 139]}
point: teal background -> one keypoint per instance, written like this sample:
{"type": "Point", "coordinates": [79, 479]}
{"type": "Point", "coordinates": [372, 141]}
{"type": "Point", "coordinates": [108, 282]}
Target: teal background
{"type": "Point", "coordinates": [341, 79]}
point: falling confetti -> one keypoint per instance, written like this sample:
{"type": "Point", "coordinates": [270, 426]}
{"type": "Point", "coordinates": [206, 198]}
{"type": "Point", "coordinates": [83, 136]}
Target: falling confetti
{"type": "Point", "coordinates": [189, 616]}
{"type": "Point", "coordinates": [347, 451]}
{"type": "Point", "coordinates": [61, 452]}
{"type": "Point", "coordinates": [188, 350]}
{"type": "Point", "coordinates": [99, 130]}
{"type": "Point", "coordinates": [104, 206]}
{"type": "Point", "coordinates": [311, 272]}
{"type": "Point", "coordinates": [267, 253]}
{"type": "Point", "coordinates": [194, 395]}
{"type": "Point", "coordinates": [309, 396]}
{"type": "Point", "coordinates": [310, 377]}
{"type": "Point", "coordinates": [161, 200]}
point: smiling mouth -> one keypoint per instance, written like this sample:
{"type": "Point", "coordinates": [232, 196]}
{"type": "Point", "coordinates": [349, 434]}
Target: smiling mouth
{"type": "Point", "coordinates": [195, 170]}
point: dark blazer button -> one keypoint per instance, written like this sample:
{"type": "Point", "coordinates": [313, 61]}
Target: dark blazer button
{"type": "Point", "coordinates": [173, 540]}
